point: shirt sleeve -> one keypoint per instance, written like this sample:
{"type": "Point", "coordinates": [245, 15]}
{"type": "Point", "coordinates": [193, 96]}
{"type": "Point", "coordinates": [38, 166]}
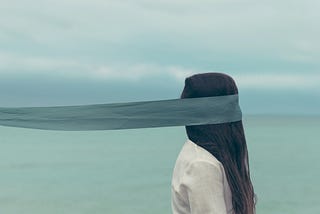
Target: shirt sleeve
{"type": "Point", "coordinates": [203, 185]}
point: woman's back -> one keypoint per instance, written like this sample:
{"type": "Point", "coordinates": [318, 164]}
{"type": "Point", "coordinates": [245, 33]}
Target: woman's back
{"type": "Point", "coordinates": [214, 163]}
{"type": "Point", "coordinates": [199, 183]}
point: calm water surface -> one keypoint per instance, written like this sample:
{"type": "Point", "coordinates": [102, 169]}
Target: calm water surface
{"type": "Point", "coordinates": [129, 171]}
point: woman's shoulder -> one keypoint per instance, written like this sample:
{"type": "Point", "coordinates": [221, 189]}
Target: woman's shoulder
{"type": "Point", "coordinates": [199, 155]}
{"type": "Point", "coordinates": [192, 157]}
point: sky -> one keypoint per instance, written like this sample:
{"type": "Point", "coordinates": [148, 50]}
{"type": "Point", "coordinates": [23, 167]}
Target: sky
{"type": "Point", "coordinates": [69, 52]}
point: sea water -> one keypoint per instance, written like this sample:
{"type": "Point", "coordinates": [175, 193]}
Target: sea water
{"type": "Point", "coordinates": [129, 171]}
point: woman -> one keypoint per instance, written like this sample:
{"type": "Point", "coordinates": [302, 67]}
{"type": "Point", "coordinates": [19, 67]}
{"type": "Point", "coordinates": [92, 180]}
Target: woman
{"type": "Point", "coordinates": [211, 174]}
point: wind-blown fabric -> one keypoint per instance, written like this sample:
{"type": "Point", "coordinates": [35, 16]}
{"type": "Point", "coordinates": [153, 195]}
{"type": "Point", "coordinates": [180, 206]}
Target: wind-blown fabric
{"type": "Point", "coordinates": [143, 114]}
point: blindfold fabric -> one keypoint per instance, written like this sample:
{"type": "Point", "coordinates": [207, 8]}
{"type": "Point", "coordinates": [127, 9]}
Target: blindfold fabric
{"type": "Point", "coordinates": [130, 115]}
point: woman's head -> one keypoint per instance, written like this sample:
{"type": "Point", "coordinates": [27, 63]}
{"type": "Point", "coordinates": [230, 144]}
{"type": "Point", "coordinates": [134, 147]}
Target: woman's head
{"type": "Point", "coordinates": [225, 141]}
{"type": "Point", "coordinates": [208, 85]}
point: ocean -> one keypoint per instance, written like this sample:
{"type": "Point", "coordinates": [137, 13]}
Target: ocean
{"type": "Point", "coordinates": [129, 171]}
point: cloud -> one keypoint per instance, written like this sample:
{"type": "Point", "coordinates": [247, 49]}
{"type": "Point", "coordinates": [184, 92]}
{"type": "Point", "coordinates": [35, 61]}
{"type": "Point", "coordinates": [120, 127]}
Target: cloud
{"type": "Point", "coordinates": [278, 81]}
{"type": "Point", "coordinates": [35, 65]}
{"type": "Point", "coordinates": [186, 31]}
{"type": "Point", "coordinates": [142, 71]}
{"type": "Point", "coordinates": [18, 64]}
{"type": "Point", "coordinates": [258, 43]}
{"type": "Point", "coordinates": [10, 62]}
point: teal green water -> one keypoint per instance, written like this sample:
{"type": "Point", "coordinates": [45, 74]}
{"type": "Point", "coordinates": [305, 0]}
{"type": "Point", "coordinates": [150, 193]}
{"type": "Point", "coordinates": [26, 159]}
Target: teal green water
{"type": "Point", "coordinates": [129, 171]}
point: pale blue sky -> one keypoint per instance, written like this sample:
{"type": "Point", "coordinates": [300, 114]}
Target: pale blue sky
{"type": "Point", "coordinates": [76, 52]}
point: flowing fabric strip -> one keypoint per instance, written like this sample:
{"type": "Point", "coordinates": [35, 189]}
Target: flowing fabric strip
{"type": "Point", "coordinates": [130, 115]}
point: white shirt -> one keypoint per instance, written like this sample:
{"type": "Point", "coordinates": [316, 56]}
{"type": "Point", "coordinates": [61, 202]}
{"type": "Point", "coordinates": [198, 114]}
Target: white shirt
{"type": "Point", "coordinates": [199, 184]}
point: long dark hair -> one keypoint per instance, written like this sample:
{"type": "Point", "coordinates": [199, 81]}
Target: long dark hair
{"type": "Point", "coordinates": [225, 141]}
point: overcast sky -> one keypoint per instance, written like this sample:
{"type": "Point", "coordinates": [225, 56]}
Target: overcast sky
{"type": "Point", "coordinates": [77, 52]}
